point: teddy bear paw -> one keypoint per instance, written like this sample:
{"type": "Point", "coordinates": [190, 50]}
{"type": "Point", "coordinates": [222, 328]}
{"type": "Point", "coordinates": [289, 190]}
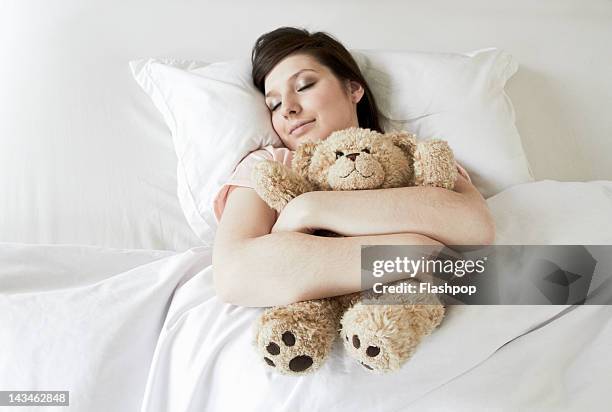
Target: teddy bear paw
{"type": "Point", "coordinates": [367, 342]}
{"type": "Point", "coordinates": [383, 337]}
{"type": "Point", "coordinates": [294, 347]}
{"type": "Point", "coordinates": [365, 351]}
{"type": "Point", "coordinates": [296, 364]}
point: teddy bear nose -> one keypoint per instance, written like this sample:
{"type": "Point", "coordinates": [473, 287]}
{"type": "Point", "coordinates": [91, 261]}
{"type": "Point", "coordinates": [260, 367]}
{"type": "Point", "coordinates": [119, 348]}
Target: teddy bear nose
{"type": "Point", "coordinates": [352, 156]}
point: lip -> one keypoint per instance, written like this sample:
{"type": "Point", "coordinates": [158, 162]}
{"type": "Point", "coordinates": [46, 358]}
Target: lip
{"type": "Point", "coordinates": [301, 126]}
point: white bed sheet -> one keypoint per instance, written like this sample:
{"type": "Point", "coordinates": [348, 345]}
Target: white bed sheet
{"type": "Point", "coordinates": [563, 366]}
{"type": "Point", "coordinates": [551, 212]}
{"type": "Point", "coordinates": [128, 329]}
{"type": "Point", "coordinates": [85, 319]}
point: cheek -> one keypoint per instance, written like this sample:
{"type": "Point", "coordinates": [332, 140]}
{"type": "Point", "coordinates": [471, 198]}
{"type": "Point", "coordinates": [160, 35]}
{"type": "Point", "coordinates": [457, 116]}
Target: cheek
{"type": "Point", "coordinates": [325, 101]}
{"type": "Point", "coordinates": [277, 125]}
{"type": "Point", "coordinates": [334, 107]}
{"type": "Point", "coordinates": [275, 122]}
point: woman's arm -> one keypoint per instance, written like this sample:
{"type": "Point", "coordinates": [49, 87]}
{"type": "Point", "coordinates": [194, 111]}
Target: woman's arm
{"type": "Point", "coordinates": [253, 267]}
{"type": "Point", "coordinates": [459, 217]}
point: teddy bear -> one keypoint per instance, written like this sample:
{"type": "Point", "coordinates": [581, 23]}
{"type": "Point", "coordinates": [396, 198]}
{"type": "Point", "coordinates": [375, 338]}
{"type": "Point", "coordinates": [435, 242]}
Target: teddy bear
{"type": "Point", "coordinates": [296, 339]}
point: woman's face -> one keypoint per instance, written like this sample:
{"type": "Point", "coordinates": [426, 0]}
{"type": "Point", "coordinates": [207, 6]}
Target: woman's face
{"type": "Point", "coordinates": [300, 91]}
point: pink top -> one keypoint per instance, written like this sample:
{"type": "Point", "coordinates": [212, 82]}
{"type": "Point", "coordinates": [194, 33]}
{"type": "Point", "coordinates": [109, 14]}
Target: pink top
{"type": "Point", "coordinates": [242, 173]}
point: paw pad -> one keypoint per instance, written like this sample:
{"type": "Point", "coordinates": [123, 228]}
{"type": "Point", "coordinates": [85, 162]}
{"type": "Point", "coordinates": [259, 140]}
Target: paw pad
{"type": "Point", "coordinates": [372, 351]}
{"type": "Point", "coordinates": [297, 364]}
{"type": "Point", "coordinates": [273, 348]}
{"type": "Point", "coordinates": [300, 363]}
{"type": "Point", "coordinates": [288, 338]}
{"type": "Point", "coordinates": [367, 366]}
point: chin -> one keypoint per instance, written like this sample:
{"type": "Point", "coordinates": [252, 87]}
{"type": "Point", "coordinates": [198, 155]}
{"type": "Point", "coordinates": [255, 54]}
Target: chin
{"type": "Point", "coordinates": [316, 137]}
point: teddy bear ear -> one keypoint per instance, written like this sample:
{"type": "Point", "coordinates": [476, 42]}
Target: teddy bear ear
{"type": "Point", "coordinates": [404, 140]}
{"type": "Point", "coordinates": [302, 158]}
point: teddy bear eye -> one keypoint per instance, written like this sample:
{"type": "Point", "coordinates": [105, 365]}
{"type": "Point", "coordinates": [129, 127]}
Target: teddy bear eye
{"type": "Point", "coordinates": [366, 150]}
{"type": "Point", "coordinates": [339, 154]}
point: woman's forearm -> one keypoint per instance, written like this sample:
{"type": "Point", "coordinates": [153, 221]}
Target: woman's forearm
{"type": "Point", "coordinates": [286, 267]}
{"type": "Point", "coordinates": [452, 218]}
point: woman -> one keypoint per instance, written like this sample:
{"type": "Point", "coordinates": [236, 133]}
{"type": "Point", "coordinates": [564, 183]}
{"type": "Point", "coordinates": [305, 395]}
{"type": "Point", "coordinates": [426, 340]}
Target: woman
{"type": "Point", "coordinates": [312, 87]}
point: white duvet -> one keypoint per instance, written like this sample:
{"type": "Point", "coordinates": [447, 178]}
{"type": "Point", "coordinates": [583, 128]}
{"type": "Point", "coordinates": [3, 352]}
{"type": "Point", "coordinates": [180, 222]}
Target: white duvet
{"type": "Point", "coordinates": [127, 330]}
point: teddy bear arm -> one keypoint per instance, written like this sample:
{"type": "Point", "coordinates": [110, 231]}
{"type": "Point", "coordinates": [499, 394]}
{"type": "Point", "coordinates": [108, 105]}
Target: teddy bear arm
{"type": "Point", "coordinates": [277, 185]}
{"type": "Point", "coordinates": [434, 164]}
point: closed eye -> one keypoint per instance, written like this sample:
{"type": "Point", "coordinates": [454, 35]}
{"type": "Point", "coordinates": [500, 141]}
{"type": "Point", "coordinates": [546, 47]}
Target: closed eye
{"type": "Point", "coordinates": [305, 87]}
{"type": "Point", "coordinates": [299, 90]}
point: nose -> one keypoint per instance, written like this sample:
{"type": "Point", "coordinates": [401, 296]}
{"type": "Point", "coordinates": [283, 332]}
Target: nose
{"type": "Point", "coordinates": [352, 156]}
{"type": "Point", "coordinates": [289, 107]}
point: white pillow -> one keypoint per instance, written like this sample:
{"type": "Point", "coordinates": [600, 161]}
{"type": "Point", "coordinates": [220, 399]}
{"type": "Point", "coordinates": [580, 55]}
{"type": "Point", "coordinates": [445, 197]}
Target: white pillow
{"type": "Point", "coordinates": [217, 117]}
{"type": "Point", "coordinates": [456, 97]}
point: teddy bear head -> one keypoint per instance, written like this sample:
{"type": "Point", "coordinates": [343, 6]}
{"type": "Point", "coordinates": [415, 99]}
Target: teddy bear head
{"type": "Point", "coordinates": [357, 158]}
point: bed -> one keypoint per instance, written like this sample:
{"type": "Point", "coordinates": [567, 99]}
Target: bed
{"type": "Point", "coordinates": [106, 291]}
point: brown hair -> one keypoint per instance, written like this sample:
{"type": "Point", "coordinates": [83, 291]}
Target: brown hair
{"type": "Point", "coordinates": [270, 48]}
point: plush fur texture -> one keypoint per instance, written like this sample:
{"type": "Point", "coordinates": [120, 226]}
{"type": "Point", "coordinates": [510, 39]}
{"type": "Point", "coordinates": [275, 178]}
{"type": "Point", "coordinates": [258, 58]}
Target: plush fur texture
{"type": "Point", "coordinates": [381, 335]}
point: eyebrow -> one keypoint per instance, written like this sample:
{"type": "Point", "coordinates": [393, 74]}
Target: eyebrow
{"type": "Point", "coordinates": [293, 76]}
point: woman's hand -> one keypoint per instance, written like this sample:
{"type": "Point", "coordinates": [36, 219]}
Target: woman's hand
{"type": "Point", "coordinates": [295, 216]}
